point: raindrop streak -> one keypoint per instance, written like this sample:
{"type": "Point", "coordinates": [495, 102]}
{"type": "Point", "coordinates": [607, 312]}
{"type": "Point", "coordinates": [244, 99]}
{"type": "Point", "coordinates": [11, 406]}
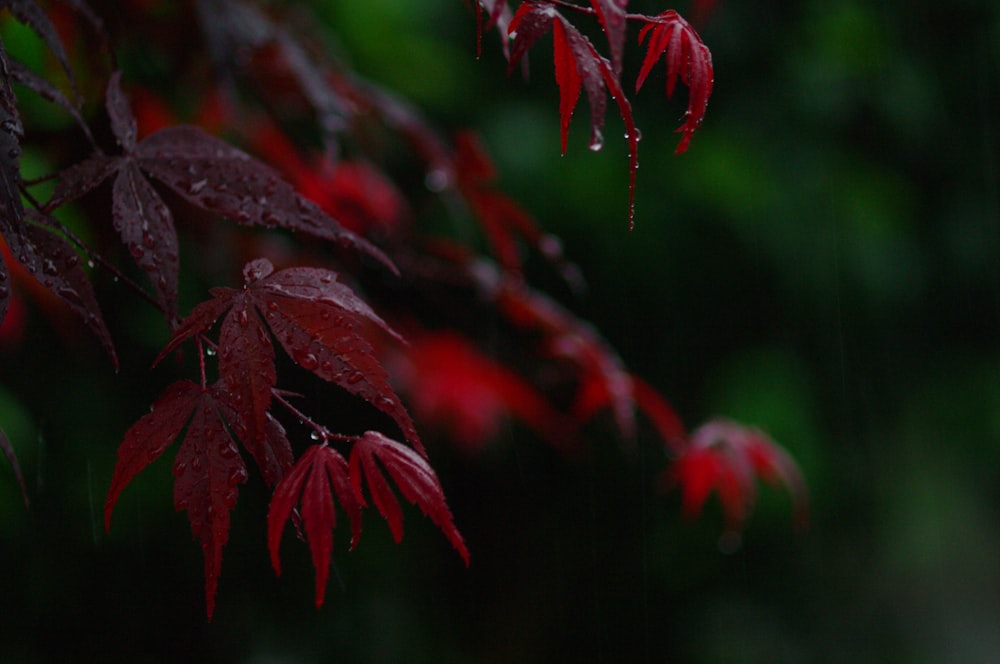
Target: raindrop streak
{"type": "Point", "coordinates": [95, 530]}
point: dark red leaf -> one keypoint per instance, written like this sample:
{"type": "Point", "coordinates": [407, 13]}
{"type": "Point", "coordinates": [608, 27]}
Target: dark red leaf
{"type": "Point", "coordinates": [147, 229]}
{"type": "Point", "coordinates": [56, 265]}
{"type": "Point", "coordinates": [315, 318]}
{"type": "Point", "coordinates": [207, 468]}
{"type": "Point", "coordinates": [30, 14]}
{"type": "Point", "coordinates": [414, 478]}
{"type": "Point", "coordinates": [221, 179]}
{"type": "Point", "coordinates": [309, 483]}
{"type": "Point", "coordinates": [611, 14]}
{"type": "Point", "coordinates": [246, 365]}
{"type": "Point", "coordinates": [577, 63]}
{"type": "Point", "coordinates": [327, 341]}
{"type": "Point", "coordinates": [123, 123]}
{"type": "Point", "coordinates": [147, 439]}
{"type": "Point", "coordinates": [273, 453]}
{"type": "Point", "coordinates": [687, 58]}
{"type": "Point", "coordinates": [530, 22]}
{"type": "Point", "coordinates": [82, 178]}
{"type": "Point", "coordinates": [47, 91]}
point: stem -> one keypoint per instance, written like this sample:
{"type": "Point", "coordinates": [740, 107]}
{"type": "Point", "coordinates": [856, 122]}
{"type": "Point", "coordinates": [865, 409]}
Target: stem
{"type": "Point", "coordinates": [565, 4]}
{"type": "Point", "coordinates": [201, 358]}
{"type": "Point", "coordinates": [323, 433]}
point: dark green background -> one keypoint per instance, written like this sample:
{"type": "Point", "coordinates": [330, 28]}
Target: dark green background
{"type": "Point", "coordinates": [824, 263]}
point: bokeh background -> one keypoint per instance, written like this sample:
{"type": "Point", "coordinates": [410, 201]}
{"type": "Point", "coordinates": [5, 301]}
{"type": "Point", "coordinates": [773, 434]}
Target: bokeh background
{"type": "Point", "coordinates": [823, 263]}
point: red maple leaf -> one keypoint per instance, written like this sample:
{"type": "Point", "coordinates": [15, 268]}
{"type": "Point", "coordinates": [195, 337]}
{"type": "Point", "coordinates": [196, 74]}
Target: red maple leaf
{"type": "Point", "coordinates": [687, 58]}
{"type": "Point", "coordinates": [454, 386]}
{"type": "Point", "coordinates": [355, 193]}
{"type": "Point", "coordinates": [727, 457]}
{"type": "Point", "coordinates": [317, 321]}
{"type": "Point", "coordinates": [207, 469]}
{"type": "Point", "coordinates": [501, 218]}
{"type": "Point", "coordinates": [205, 171]}
{"type": "Point", "coordinates": [578, 66]}
{"type": "Point", "coordinates": [310, 481]}
{"type": "Point", "coordinates": [414, 478]}
{"type": "Point", "coordinates": [322, 473]}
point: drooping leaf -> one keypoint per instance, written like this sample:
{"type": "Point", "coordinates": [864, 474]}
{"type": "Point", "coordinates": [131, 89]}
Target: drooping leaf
{"type": "Point", "coordinates": [56, 265]}
{"type": "Point", "coordinates": [46, 90]}
{"type": "Point", "coordinates": [457, 388]}
{"type": "Point", "coordinates": [414, 478]}
{"type": "Point", "coordinates": [502, 219]}
{"type": "Point", "coordinates": [11, 130]}
{"type": "Point", "coordinates": [309, 483]}
{"type": "Point", "coordinates": [207, 468]}
{"type": "Point", "coordinates": [566, 336]}
{"type": "Point", "coordinates": [146, 227]}
{"type": "Point", "coordinates": [246, 365]}
{"type": "Point", "coordinates": [123, 123]}
{"type": "Point", "coordinates": [318, 322]}
{"type": "Point", "coordinates": [30, 14]}
{"type": "Point", "coordinates": [611, 13]}
{"type": "Point", "coordinates": [219, 178]}
{"type": "Point", "coordinates": [727, 457]}
{"type": "Point", "coordinates": [579, 65]}
{"type": "Point", "coordinates": [687, 58]}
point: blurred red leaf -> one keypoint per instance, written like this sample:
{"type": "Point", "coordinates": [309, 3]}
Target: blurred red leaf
{"type": "Point", "coordinates": [727, 457]}
{"type": "Point", "coordinates": [455, 387]}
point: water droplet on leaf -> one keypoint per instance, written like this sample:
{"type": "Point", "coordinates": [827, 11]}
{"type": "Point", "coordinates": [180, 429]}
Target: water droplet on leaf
{"type": "Point", "coordinates": [308, 361]}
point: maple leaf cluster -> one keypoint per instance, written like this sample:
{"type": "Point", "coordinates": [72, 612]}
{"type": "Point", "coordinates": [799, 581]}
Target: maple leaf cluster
{"type": "Point", "coordinates": [579, 66]}
{"type": "Point", "coordinates": [353, 219]}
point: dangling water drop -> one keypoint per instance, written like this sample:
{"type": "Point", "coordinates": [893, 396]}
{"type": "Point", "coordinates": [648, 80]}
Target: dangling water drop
{"type": "Point", "coordinates": [596, 141]}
